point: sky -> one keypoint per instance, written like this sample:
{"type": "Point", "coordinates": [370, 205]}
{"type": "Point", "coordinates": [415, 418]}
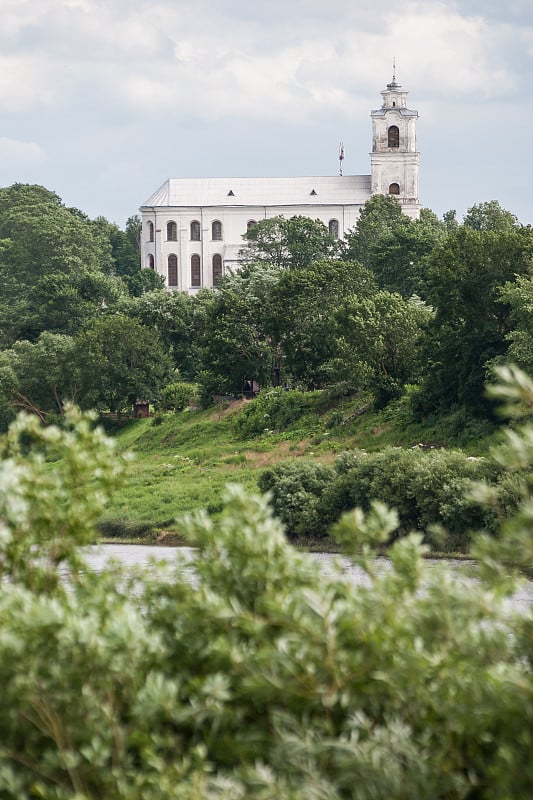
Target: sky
{"type": "Point", "coordinates": [102, 100]}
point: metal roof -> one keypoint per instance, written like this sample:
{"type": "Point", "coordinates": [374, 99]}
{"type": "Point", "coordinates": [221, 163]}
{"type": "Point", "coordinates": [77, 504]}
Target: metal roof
{"type": "Point", "coordinates": [235, 192]}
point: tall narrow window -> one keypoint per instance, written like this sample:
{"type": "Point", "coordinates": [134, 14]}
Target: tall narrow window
{"type": "Point", "coordinates": [196, 279]}
{"type": "Point", "coordinates": [195, 231]}
{"type": "Point", "coordinates": [250, 224]}
{"type": "Point", "coordinates": [151, 262]}
{"type": "Point", "coordinates": [217, 269]}
{"type": "Point", "coordinates": [394, 136]}
{"type": "Point", "coordinates": [172, 270]}
{"type": "Point", "coordinates": [334, 228]}
{"type": "Point", "coordinates": [172, 232]}
{"type": "Point", "coordinates": [394, 188]}
{"type": "Point", "coordinates": [150, 231]}
{"type": "Point", "coordinates": [216, 231]}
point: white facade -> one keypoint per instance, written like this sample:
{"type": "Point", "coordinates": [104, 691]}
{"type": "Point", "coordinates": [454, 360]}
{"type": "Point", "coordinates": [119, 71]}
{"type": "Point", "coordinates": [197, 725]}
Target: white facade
{"type": "Point", "coordinates": [192, 228]}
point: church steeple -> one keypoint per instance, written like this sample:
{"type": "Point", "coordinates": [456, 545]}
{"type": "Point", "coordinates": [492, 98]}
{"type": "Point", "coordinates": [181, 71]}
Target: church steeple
{"type": "Point", "coordinates": [394, 158]}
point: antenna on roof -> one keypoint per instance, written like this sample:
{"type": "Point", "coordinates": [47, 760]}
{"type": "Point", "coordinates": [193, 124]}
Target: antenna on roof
{"type": "Point", "coordinates": [341, 157]}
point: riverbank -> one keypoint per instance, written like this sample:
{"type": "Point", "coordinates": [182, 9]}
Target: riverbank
{"type": "Point", "coordinates": [182, 462]}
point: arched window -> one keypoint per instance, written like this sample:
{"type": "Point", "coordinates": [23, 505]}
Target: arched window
{"type": "Point", "coordinates": [172, 232]}
{"type": "Point", "coordinates": [394, 188]}
{"type": "Point", "coordinates": [217, 269]}
{"type": "Point", "coordinates": [250, 224]}
{"type": "Point", "coordinates": [333, 226]}
{"type": "Point", "coordinates": [216, 231]}
{"type": "Point", "coordinates": [196, 278]}
{"type": "Point", "coordinates": [151, 262]}
{"type": "Point", "coordinates": [172, 270]}
{"type": "Point", "coordinates": [195, 231]}
{"type": "Point", "coordinates": [394, 136]}
{"type": "Point", "coordinates": [150, 231]}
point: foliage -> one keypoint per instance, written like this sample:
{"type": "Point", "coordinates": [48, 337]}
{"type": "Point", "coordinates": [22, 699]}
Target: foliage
{"type": "Point", "coordinates": [273, 410]}
{"type": "Point", "coordinates": [426, 488]}
{"type": "Point", "coordinates": [292, 243]}
{"type": "Point", "coordinates": [121, 361]}
{"type": "Point", "coordinates": [377, 343]}
{"type": "Point", "coordinates": [295, 489]}
{"type": "Point", "coordinates": [44, 373]}
{"type": "Point", "coordinates": [261, 677]}
{"type": "Point", "coordinates": [465, 273]}
{"type": "Point", "coordinates": [178, 395]}
{"type": "Point", "coordinates": [54, 267]}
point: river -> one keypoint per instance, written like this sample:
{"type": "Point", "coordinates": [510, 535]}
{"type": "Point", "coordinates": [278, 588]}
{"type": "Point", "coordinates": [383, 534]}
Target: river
{"type": "Point", "coordinates": [141, 555]}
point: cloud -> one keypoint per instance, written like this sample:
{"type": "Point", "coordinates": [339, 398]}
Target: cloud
{"type": "Point", "coordinates": [16, 154]}
{"type": "Point", "coordinates": [215, 59]}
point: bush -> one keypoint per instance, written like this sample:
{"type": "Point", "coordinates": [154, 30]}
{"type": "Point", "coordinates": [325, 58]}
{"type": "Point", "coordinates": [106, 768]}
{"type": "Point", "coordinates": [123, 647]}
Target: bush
{"type": "Point", "coordinates": [425, 487]}
{"type": "Point", "coordinates": [273, 410]}
{"type": "Point", "coordinates": [261, 677]}
{"type": "Point", "coordinates": [179, 395]}
{"type": "Point", "coordinates": [295, 488]}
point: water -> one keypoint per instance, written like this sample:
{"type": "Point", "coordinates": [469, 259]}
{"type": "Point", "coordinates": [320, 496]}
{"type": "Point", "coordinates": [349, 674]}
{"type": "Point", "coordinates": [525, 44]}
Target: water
{"type": "Point", "coordinates": [141, 555]}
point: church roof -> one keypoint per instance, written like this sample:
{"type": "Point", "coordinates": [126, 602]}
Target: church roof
{"type": "Point", "coordinates": [235, 192]}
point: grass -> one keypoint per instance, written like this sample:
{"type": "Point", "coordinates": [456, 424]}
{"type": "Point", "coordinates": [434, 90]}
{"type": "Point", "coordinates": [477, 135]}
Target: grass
{"type": "Point", "coordinates": [183, 461]}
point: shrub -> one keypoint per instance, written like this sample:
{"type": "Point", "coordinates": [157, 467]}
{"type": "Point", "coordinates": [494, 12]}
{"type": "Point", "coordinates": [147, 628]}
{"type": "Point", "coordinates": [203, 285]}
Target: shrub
{"type": "Point", "coordinates": [261, 677]}
{"type": "Point", "coordinates": [179, 395]}
{"type": "Point", "coordinates": [295, 489]}
{"type": "Point", "coordinates": [275, 409]}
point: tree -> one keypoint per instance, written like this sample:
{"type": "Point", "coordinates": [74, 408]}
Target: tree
{"type": "Point", "coordinates": [379, 216]}
{"type": "Point", "coordinates": [518, 297]}
{"type": "Point", "coordinates": [398, 256]}
{"type": "Point", "coordinates": [377, 341]}
{"type": "Point", "coordinates": [490, 216]}
{"type": "Point", "coordinates": [44, 375]}
{"type": "Point", "coordinates": [174, 316]}
{"type": "Point", "coordinates": [300, 316]}
{"type": "Point", "coordinates": [261, 677]}
{"type": "Point", "coordinates": [54, 268]}
{"type": "Point", "coordinates": [291, 243]}
{"type": "Point", "coordinates": [120, 361]}
{"type": "Point", "coordinates": [465, 273]}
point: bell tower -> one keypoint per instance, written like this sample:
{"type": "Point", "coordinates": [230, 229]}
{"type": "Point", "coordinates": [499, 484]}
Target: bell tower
{"type": "Point", "coordinates": [394, 160]}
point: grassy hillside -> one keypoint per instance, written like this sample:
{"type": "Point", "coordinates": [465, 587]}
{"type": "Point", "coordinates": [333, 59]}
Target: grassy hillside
{"type": "Point", "coordinates": [182, 462]}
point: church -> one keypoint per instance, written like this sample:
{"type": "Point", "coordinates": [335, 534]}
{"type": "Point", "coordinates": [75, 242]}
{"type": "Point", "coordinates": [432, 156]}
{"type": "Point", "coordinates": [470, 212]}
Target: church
{"type": "Point", "coordinates": [192, 228]}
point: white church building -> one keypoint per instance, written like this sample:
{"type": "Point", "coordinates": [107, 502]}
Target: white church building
{"type": "Point", "coordinates": [192, 228]}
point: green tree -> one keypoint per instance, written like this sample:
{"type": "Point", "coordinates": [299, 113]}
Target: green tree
{"type": "Point", "coordinates": [465, 274]}
{"type": "Point", "coordinates": [378, 218]}
{"type": "Point", "coordinates": [54, 268]}
{"type": "Point", "coordinates": [176, 317]}
{"type": "Point", "coordinates": [377, 340]}
{"type": "Point", "coordinates": [518, 297]}
{"type": "Point", "coordinates": [490, 216]}
{"type": "Point", "coordinates": [398, 256]}
{"type": "Point", "coordinates": [120, 361]}
{"type": "Point", "coordinates": [292, 243]}
{"type": "Point", "coordinates": [45, 375]}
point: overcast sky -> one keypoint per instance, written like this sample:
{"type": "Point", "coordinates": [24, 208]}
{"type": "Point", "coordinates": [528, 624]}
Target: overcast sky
{"type": "Point", "coordinates": [102, 100]}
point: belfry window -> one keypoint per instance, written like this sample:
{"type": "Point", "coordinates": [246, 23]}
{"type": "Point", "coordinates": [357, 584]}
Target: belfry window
{"type": "Point", "coordinates": [172, 232]}
{"type": "Point", "coordinates": [217, 268]}
{"type": "Point", "coordinates": [394, 188]}
{"type": "Point", "coordinates": [150, 231]}
{"type": "Point", "coordinates": [333, 227]}
{"type": "Point", "coordinates": [172, 270]}
{"type": "Point", "coordinates": [195, 231]}
{"type": "Point", "coordinates": [196, 278]}
{"type": "Point", "coordinates": [393, 136]}
{"type": "Point", "coordinates": [216, 231]}
{"type": "Point", "coordinates": [151, 263]}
